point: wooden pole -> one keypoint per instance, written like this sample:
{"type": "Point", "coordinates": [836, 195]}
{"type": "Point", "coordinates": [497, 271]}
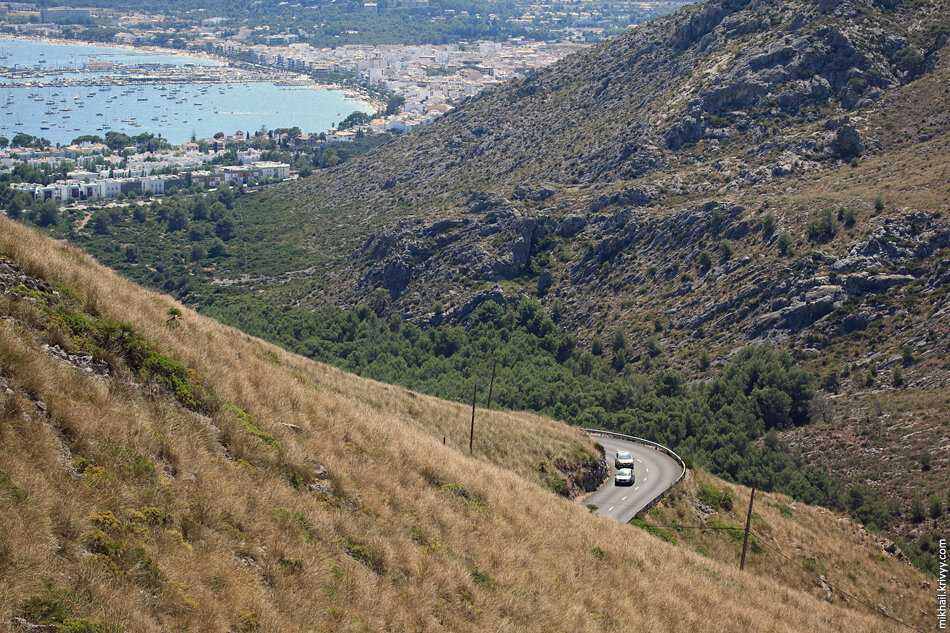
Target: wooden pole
{"type": "Point", "coordinates": [491, 384]}
{"type": "Point", "coordinates": [748, 524]}
{"type": "Point", "coordinates": [471, 434]}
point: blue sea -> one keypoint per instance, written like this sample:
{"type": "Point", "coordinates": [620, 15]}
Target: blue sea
{"type": "Point", "coordinates": [175, 111]}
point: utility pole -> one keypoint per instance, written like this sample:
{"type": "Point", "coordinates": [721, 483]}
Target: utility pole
{"type": "Point", "coordinates": [471, 434]}
{"type": "Point", "coordinates": [748, 523]}
{"type": "Point", "coordinates": [491, 384]}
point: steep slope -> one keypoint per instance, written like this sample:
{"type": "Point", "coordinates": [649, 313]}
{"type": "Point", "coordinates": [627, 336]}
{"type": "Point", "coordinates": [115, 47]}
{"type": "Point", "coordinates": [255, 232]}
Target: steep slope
{"type": "Point", "coordinates": [160, 471]}
{"type": "Point", "coordinates": [740, 172]}
{"type": "Point", "coordinates": [734, 173]}
{"type": "Point", "coordinates": [623, 168]}
{"type": "Point", "coordinates": [681, 127]}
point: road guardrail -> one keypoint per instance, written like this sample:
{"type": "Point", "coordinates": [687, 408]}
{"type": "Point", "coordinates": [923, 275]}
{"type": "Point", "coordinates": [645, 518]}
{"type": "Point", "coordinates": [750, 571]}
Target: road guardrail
{"type": "Point", "coordinates": [654, 445]}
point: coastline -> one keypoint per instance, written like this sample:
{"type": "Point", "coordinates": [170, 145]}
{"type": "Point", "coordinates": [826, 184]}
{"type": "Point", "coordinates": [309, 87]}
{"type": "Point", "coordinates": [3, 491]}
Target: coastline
{"type": "Point", "coordinates": [370, 101]}
{"type": "Point", "coordinates": [152, 50]}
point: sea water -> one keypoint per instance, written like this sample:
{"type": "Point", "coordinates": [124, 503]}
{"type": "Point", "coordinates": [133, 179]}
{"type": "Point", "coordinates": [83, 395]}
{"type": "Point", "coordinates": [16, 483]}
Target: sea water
{"type": "Point", "coordinates": [177, 112]}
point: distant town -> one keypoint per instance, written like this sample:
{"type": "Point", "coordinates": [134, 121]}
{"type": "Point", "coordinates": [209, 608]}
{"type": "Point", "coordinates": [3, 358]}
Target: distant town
{"type": "Point", "coordinates": [92, 170]}
{"type": "Point", "coordinates": [406, 85]}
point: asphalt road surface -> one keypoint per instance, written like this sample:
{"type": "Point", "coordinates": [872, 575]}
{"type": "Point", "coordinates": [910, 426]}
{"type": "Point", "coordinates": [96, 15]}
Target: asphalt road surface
{"type": "Point", "coordinates": [653, 472]}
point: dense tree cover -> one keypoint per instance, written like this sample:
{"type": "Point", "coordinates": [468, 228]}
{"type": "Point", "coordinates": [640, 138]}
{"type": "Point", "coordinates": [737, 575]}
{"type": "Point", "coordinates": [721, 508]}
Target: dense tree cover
{"type": "Point", "coordinates": [357, 117]}
{"type": "Point", "coordinates": [342, 22]}
{"type": "Point", "coordinates": [323, 154]}
{"type": "Point", "coordinates": [727, 425]}
{"type": "Point", "coordinates": [28, 140]}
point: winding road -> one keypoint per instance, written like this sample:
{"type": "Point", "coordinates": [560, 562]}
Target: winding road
{"type": "Point", "coordinates": [654, 471]}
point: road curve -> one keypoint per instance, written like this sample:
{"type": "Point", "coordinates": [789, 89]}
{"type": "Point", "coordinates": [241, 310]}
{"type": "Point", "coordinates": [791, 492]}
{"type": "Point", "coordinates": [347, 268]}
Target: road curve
{"type": "Point", "coordinates": [654, 471]}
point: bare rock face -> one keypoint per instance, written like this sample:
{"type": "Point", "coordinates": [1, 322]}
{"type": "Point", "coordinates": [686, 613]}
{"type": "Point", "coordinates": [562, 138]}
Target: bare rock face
{"type": "Point", "coordinates": [393, 275]}
{"type": "Point", "coordinates": [847, 142]}
{"type": "Point", "coordinates": [803, 310]}
{"type": "Point", "coordinates": [689, 130]}
{"type": "Point", "coordinates": [524, 192]}
{"type": "Point", "coordinates": [480, 202]}
{"type": "Point", "coordinates": [571, 226]}
{"type": "Point", "coordinates": [703, 511]}
{"type": "Point", "coordinates": [587, 479]}
{"type": "Point", "coordinates": [562, 207]}
{"type": "Point", "coordinates": [893, 244]}
{"type": "Point", "coordinates": [635, 196]}
{"type": "Point", "coordinates": [702, 24]}
{"type": "Point", "coordinates": [544, 281]}
{"type": "Point", "coordinates": [20, 624]}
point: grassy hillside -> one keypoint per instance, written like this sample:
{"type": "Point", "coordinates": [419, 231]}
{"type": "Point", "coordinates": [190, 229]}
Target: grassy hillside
{"type": "Point", "coordinates": [161, 471]}
{"type": "Point", "coordinates": [742, 172]}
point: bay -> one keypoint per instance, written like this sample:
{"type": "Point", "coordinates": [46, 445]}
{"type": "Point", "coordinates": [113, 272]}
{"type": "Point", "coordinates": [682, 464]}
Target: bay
{"type": "Point", "coordinates": [177, 112]}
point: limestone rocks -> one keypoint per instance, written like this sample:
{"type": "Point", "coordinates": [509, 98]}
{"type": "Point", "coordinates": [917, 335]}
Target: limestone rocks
{"type": "Point", "coordinates": [803, 310]}
{"type": "Point", "coordinates": [893, 244]}
{"type": "Point", "coordinates": [847, 142]}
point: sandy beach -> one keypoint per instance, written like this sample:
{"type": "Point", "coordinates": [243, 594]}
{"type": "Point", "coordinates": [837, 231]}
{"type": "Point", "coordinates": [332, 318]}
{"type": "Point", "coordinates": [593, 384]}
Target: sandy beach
{"type": "Point", "coordinates": [152, 50]}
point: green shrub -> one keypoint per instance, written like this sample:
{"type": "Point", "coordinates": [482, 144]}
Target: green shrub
{"type": "Point", "coordinates": [654, 530]}
{"type": "Point", "coordinates": [867, 506]}
{"type": "Point", "coordinates": [482, 578]}
{"type": "Point", "coordinates": [43, 611]}
{"type": "Point", "coordinates": [917, 511]}
{"type": "Point", "coordinates": [784, 244]}
{"type": "Point", "coordinates": [823, 227]}
{"type": "Point", "coordinates": [182, 381]}
{"type": "Point", "coordinates": [364, 554]}
{"type": "Point", "coordinates": [465, 495]}
{"type": "Point", "coordinates": [897, 376]}
{"type": "Point", "coordinates": [19, 494]}
{"type": "Point", "coordinates": [909, 59]}
{"type": "Point", "coordinates": [726, 250]}
{"type": "Point", "coordinates": [131, 463]}
{"type": "Point", "coordinates": [935, 506]}
{"type": "Point", "coordinates": [714, 498]}
{"type": "Point", "coordinates": [155, 516]}
{"type": "Point", "coordinates": [294, 519]}
{"type": "Point", "coordinates": [847, 215]}
{"type": "Point", "coordinates": [556, 484]}
{"type": "Point", "coordinates": [597, 347]}
{"type": "Point", "coordinates": [704, 260]}
{"type": "Point", "coordinates": [704, 359]}
{"type": "Point", "coordinates": [907, 354]}
{"type": "Point", "coordinates": [290, 565]}
{"type": "Point", "coordinates": [251, 428]}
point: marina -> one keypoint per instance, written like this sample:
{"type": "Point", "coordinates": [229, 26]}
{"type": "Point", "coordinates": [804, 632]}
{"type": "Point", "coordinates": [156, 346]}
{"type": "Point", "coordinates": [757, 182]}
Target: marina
{"type": "Point", "coordinates": [178, 98]}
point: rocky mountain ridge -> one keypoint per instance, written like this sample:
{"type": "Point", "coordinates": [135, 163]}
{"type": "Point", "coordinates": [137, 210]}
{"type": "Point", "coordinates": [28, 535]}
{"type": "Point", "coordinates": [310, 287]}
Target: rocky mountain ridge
{"type": "Point", "coordinates": [715, 72]}
{"type": "Point", "coordinates": [718, 101]}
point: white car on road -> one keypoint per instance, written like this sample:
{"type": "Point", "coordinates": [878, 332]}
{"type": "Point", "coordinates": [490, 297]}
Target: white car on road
{"type": "Point", "coordinates": [623, 460]}
{"type": "Point", "coordinates": [624, 477]}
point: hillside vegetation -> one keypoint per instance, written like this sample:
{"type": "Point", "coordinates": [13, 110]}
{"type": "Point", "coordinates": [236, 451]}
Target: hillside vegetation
{"type": "Point", "coordinates": [618, 230]}
{"type": "Point", "coordinates": [161, 471]}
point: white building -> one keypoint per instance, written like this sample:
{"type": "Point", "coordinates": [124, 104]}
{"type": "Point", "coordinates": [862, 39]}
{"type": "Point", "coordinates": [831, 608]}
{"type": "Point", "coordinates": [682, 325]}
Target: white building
{"type": "Point", "coordinates": [270, 169]}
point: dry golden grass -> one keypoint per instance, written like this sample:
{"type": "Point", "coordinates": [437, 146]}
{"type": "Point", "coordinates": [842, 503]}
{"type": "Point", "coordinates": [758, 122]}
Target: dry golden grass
{"type": "Point", "coordinates": [824, 543]}
{"type": "Point", "coordinates": [405, 534]}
